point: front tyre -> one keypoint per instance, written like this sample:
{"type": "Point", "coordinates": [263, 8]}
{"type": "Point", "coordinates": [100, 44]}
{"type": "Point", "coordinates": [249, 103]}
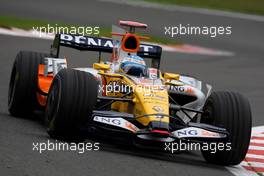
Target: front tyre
{"type": "Point", "coordinates": [231, 111]}
{"type": "Point", "coordinates": [71, 100]}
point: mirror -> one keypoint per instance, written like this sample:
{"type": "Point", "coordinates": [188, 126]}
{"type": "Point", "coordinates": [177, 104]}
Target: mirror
{"type": "Point", "coordinates": [101, 66]}
{"type": "Point", "coordinates": [171, 76]}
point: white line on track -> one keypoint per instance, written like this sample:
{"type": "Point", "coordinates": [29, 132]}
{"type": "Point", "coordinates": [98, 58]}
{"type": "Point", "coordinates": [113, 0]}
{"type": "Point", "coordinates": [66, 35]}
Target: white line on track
{"type": "Point", "coordinates": [186, 9]}
{"type": "Point", "coordinates": [252, 147]}
{"type": "Point", "coordinates": [257, 141]}
{"type": "Point", "coordinates": [254, 156]}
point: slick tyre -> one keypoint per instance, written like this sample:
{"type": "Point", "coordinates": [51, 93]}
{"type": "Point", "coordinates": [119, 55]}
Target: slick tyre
{"type": "Point", "coordinates": [23, 84]}
{"type": "Point", "coordinates": [231, 111]}
{"type": "Point", "coordinates": [70, 102]}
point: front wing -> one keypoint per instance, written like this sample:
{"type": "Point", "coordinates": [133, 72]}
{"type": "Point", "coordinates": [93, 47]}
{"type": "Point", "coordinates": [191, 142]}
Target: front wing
{"type": "Point", "coordinates": [126, 123]}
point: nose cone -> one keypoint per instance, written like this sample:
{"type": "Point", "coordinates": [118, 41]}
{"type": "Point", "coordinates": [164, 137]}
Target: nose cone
{"type": "Point", "coordinates": [153, 106]}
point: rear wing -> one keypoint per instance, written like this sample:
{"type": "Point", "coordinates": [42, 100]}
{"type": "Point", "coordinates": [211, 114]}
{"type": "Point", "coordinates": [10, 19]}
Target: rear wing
{"type": "Point", "coordinates": [88, 43]}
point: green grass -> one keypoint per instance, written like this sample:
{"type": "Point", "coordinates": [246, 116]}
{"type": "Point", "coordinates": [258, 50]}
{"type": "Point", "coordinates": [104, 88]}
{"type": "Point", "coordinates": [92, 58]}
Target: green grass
{"type": "Point", "coordinates": [8, 21]}
{"type": "Point", "coordinates": [28, 24]}
{"type": "Point", "coordinates": [243, 6]}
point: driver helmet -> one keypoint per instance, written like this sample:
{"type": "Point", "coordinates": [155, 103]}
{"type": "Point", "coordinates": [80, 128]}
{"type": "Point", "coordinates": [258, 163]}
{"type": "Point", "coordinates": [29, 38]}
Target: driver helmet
{"type": "Point", "coordinates": [133, 65]}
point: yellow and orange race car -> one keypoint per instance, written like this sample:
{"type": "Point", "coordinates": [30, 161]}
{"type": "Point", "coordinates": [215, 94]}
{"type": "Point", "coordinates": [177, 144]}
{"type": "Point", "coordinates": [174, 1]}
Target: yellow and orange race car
{"type": "Point", "coordinates": [126, 98]}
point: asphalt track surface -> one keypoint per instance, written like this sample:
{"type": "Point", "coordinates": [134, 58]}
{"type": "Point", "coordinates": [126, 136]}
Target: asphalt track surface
{"type": "Point", "coordinates": [242, 72]}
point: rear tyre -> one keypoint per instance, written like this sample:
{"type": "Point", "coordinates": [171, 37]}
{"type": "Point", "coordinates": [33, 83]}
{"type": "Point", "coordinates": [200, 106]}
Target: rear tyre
{"type": "Point", "coordinates": [71, 100]}
{"type": "Point", "coordinates": [23, 84]}
{"type": "Point", "coordinates": [231, 111]}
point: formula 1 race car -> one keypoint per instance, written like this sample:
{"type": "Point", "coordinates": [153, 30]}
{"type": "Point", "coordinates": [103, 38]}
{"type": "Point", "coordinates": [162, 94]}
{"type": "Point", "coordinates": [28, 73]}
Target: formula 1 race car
{"type": "Point", "coordinates": [124, 97]}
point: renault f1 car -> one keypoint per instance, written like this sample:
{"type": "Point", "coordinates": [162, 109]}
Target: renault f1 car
{"type": "Point", "coordinates": [125, 98]}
